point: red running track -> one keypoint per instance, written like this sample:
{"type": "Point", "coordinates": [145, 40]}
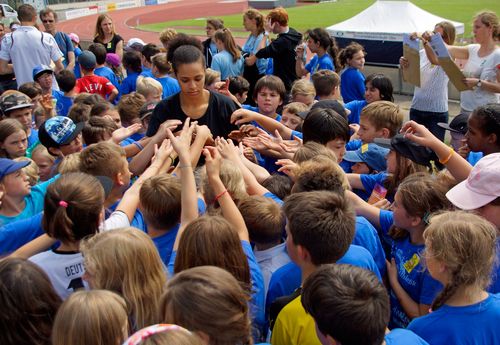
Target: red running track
{"type": "Point", "coordinates": [126, 19]}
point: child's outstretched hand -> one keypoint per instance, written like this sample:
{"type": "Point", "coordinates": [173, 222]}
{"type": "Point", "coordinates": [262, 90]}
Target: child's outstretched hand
{"type": "Point", "coordinates": [123, 133]}
{"type": "Point", "coordinates": [418, 134]}
{"type": "Point", "coordinates": [242, 116]}
{"type": "Point", "coordinates": [162, 152]}
{"type": "Point", "coordinates": [287, 166]}
{"type": "Point", "coordinates": [213, 161]}
{"type": "Point", "coordinates": [227, 149]}
{"type": "Point", "coordinates": [182, 143]}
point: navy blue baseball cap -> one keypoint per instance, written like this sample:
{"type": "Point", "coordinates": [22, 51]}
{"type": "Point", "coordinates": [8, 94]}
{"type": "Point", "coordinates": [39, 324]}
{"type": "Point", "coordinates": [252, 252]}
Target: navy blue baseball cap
{"type": "Point", "coordinates": [41, 69]}
{"type": "Point", "coordinates": [371, 154]}
{"type": "Point", "coordinates": [8, 166]}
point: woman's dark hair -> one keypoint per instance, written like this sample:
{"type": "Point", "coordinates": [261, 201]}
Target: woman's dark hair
{"type": "Point", "coordinates": [489, 119]}
{"type": "Point", "coordinates": [186, 55]}
{"type": "Point", "coordinates": [323, 125]}
{"type": "Point", "coordinates": [383, 84]}
{"type": "Point", "coordinates": [29, 303]}
{"type": "Point", "coordinates": [182, 40]}
{"type": "Point", "coordinates": [327, 42]}
{"type": "Point", "coordinates": [132, 61]}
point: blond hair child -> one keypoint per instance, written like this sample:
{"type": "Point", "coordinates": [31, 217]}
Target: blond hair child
{"type": "Point", "coordinates": [460, 253]}
{"type": "Point", "coordinates": [91, 317]}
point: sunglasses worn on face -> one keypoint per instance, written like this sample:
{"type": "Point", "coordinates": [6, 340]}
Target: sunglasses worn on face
{"type": "Point", "coordinates": [47, 21]}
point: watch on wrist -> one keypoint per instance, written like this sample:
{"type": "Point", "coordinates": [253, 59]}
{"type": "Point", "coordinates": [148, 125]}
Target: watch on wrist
{"type": "Point", "coordinates": [479, 83]}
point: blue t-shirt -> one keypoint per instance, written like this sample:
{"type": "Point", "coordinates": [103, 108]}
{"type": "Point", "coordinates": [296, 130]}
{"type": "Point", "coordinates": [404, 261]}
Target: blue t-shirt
{"type": "Point", "coordinates": [128, 84]}
{"type": "Point", "coordinates": [65, 45]}
{"type": "Point", "coordinates": [63, 103]}
{"type": "Point", "coordinates": [319, 63]}
{"type": "Point", "coordinates": [252, 47]}
{"type": "Point", "coordinates": [165, 243]}
{"type": "Point", "coordinates": [138, 220]}
{"type": "Point", "coordinates": [369, 182]}
{"type": "Point", "coordinates": [33, 137]}
{"type": "Point", "coordinates": [108, 73]}
{"type": "Point", "coordinates": [353, 85]}
{"type": "Point", "coordinates": [475, 324]}
{"type": "Point", "coordinates": [76, 70]}
{"type": "Point", "coordinates": [495, 274]}
{"type": "Point", "coordinates": [474, 157]}
{"type": "Point", "coordinates": [146, 72]}
{"type": "Point", "coordinates": [224, 63]}
{"type": "Point", "coordinates": [16, 234]}
{"type": "Point", "coordinates": [288, 278]}
{"type": "Point", "coordinates": [355, 108]}
{"type": "Point", "coordinates": [366, 236]}
{"type": "Point", "coordinates": [33, 202]}
{"type": "Point", "coordinates": [170, 86]}
{"type": "Point", "coordinates": [413, 275]}
{"type": "Point", "coordinates": [399, 336]}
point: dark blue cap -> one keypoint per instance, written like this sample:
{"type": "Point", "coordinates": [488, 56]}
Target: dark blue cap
{"type": "Point", "coordinates": [8, 166]}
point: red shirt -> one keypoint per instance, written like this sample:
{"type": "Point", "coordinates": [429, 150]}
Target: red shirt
{"type": "Point", "coordinates": [94, 84]}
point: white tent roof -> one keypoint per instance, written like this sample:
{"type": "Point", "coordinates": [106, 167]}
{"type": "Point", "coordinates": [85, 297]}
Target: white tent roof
{"type": "Point", "coordinates": [388, 21]}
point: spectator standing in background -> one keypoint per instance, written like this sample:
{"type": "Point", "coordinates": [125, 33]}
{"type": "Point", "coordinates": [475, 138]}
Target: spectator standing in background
{"type": "Point", "coordinates": [49, 19]}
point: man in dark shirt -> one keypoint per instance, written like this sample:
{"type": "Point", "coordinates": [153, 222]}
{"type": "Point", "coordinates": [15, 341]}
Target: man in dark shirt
{"type": "Point", "coordinates": [282, 49]}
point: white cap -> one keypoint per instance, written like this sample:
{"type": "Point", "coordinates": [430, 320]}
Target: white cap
{"type": "Point", "coordinates": [481, 187]}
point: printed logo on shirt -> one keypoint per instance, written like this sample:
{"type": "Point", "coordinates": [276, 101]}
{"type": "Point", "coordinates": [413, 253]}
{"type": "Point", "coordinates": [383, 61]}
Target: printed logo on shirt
{"type": "Point", "coordinates": [412, 263]}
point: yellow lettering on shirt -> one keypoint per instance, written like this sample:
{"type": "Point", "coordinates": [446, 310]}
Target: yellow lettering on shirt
{"type": "Point", "coordinates": [412, 263]}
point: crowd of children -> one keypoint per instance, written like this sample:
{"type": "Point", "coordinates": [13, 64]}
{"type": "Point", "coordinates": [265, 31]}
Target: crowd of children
{"type": "Point", "coordinates": [185, 204]}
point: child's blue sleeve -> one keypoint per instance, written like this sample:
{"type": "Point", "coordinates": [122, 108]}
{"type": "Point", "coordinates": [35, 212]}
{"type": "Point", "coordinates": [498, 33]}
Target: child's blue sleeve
{"type": "Point", "coordinates": [386, 219]}
{"type": "Point", "coordinates": [355, 107]}
{"type": "Point", "coordinates": [370, 180]}
{"type": "Point", "coordinates": [273, 197]}
{"type": "Point", "coordinates": [284, 282]}
{"type": "Point", "coordinates": [258, 291]}
{"type": "Point", "coordinates": [171, 263]}
{"type": "Point", "coordinates": [34, 201]}
{"type": "Point", "coordinates": [296, 134]}
{"type": "Point", "coordinates": [366, 236]}
{"type": "Point", "coordinates": [16, 234]}
{"type": "Point", "coordinates": [312, 63]}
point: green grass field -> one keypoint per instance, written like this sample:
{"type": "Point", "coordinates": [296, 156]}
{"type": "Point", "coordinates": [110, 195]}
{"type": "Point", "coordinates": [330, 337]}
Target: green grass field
{"type": "Point", "coordinates": [326, 14]}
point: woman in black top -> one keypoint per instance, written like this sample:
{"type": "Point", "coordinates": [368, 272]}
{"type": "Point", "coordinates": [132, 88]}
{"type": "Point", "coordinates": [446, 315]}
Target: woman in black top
{"type": "Point", "coordinates": [193, 101]}
{"type": "Point", "coordinates": [105, 34]}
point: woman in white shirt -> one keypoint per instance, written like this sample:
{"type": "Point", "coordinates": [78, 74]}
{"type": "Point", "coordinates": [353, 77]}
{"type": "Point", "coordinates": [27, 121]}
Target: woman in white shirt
{"type": "Point", "coordinates": [429, 105]}
{"type": "Point", "coordinates": [481, 71]}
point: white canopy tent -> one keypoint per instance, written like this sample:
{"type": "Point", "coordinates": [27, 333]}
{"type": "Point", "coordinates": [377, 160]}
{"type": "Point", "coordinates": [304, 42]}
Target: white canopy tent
{"type": "Point", "coordinates": [381, 26]}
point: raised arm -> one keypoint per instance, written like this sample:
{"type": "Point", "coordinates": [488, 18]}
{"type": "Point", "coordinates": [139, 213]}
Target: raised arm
{"type": "Point", "coordinates": [300, 69]}
{"type": "Point", "coordinates": [242, 116]}
{"type": "Point", "coordinates": [189, 202]}
{"type": "Point", "coordinates": [229, 210]}
{"type": "Point", "coordinates": [364, 209]}
{"type": "Point", "coordinates": [229, 151]}
{"type": "Point", "coordinates": [456, 164]}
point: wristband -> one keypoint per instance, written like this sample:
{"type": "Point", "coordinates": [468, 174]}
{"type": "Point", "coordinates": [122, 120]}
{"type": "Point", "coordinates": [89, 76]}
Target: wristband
{"type": "Point", "coordinates": [171, 160]}
{"type": "Point", "coordinates": [139, 146]}
{"type": "Point", "coordinates": [184, 166]}
{"type": "Point", "coordinates": [444, 161]}
{"type": "Point", "coordinates": [220, 195]}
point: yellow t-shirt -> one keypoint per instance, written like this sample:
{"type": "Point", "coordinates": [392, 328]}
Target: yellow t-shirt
{"type": "Point", "coordinates": [294, 326]}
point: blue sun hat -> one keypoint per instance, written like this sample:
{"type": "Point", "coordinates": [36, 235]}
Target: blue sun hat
{"type": "Point", "coordinates": [371, 154]}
